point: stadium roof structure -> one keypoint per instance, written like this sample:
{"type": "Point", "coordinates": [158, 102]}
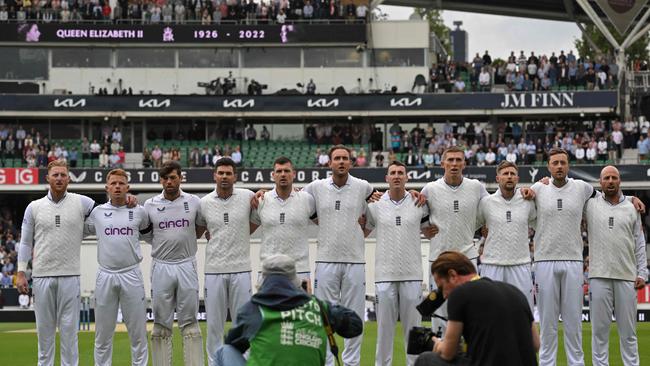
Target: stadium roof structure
{"type": "Point", "coordinates": [561, 10]}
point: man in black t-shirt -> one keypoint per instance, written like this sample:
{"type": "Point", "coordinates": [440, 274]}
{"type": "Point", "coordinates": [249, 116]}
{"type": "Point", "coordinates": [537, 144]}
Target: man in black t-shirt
{"type": "Point", "coordinates": [493, 317]}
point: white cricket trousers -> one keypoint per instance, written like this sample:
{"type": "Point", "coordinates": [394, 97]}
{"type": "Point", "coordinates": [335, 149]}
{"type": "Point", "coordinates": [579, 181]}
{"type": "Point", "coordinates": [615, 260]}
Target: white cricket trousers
{"type": "Point", "coordinates": [395, 299]}
{"type": "Point", "coordinates": [560, 292]}
{"type": "Point", "coordinates": [57, 302]}
{"type": "Point", "coordinates": [607, 296]}
{"type": "Point", "coordinates": [344, 284]}
{"type": "Point", "coordinates": [175, 286]}
{"type": "Point", "coordinates": [124, 290]}
{"type": "Point", "coordinates": [438, 324]}
{"type": "Point", "coordinates": [519, 276]}
{"type": "Point", "coordinates": [223, 292]}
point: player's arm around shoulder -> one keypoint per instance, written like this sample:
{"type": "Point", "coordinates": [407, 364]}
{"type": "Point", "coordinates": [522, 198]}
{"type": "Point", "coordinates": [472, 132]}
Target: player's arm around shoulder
{"type": "Point", "coordinates": [89, 223]}
{"type": "Point", "coordinates": [147, 234]}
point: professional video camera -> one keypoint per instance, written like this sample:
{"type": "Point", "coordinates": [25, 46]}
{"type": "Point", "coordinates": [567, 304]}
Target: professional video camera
{"type": "Point", "coordinates": [420, 338]}
{"type": "Point", "coordinates": [255, 88]}
{"type": "Point", "coordinates": [431, 303]}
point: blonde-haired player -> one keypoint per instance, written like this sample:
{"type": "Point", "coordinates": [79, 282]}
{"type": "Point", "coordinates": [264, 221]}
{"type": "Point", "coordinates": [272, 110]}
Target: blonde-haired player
{"type": "Point", "coordinates": [51, 229]}
{"type": "Point", "coordinates": [119, 281]}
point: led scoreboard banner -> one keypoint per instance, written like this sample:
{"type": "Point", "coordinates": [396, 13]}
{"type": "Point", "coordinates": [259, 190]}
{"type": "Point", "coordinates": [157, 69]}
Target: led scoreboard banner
{"type": "Point", "coordinates": [36, 33]}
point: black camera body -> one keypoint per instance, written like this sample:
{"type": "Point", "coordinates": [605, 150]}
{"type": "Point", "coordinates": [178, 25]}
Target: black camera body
{"type": "Point", "coordinates": [431, 303]}
{"type": "Point", "coordinates": [420, 340]}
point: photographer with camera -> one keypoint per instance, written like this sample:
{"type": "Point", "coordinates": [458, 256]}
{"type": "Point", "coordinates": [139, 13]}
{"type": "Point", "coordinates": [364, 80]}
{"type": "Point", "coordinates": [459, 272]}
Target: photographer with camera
{"type": "Point", "coordinates": [493, 317]}
{"type": "Point", "coordinates": [283, 325]}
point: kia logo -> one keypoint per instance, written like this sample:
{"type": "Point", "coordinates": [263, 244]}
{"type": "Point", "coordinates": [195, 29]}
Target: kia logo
{"type": "Point", "coordinates": [154, 103]}
{"type": "Point", "coordinates": [322, 103]}
{"type": "Point", "coordinates": [405, 102]}
{"type": "Point", "coordinates": [239, 103]}
{"type": "Point", "coordinates": [69, 103]}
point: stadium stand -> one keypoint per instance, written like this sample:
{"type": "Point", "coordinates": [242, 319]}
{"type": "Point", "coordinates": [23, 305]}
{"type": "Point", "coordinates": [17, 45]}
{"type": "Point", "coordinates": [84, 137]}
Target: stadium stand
{"type": "Point", "coordinates": [9, 239]}
{"type": "Point", "coordinates": [588, 141]}
{"type": "Point", "coordinates": [186, 11]}
{"type": "Point", "coordinates": [560, 72]}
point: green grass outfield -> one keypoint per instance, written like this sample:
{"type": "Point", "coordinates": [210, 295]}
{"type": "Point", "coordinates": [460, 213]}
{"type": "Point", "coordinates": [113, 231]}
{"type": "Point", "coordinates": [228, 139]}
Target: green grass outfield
{"type": "Point", "coordinates": [19, 346]}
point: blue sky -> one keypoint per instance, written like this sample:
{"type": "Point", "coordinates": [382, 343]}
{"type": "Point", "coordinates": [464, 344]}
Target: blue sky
{"type": "Point", "coordinates": [500, 34]}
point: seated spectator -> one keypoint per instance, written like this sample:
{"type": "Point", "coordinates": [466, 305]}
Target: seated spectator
{"type": "Point", "coordinates": [72, 157]}
{"type": "Point", "coordinates": [236, 156]}
{"type": "Point", "coordinates": [643, 146]}
{"type": "Point", "coordinates": [103, 159]}
{"type": "Point", "coordinates": [308, 10]}
{"type": "Point", "coordinates": [206, 157]}
{"type": "Point", "coordinates": [546, 83]}
{"type": "Point", "coordinates": [156, 156]}
{"type": "Point", "coordinates": [361, 158]}
{"type": "Point", "coordinates": [323, 160]}
{"type": "Point", "coordinates": [114, 160]}
{"type": "Point", "coordinates": [459, 85]}
{"type": "Point", "coordinates": [490, 157]}
{"type": "Point", "coordinates": [147, 161]}
{"type": "Point", "coordinates": [95, 149]}
{"type": "Point", "coordinates": [580, 154]}
{"type": "Point", "coordinates": [484, 80]}
{"type": "Point", "coordinates": [379, 160]}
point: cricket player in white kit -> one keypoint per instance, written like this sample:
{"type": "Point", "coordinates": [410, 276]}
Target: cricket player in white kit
{"type": "Point", "coordinates": [397, 221]}
{"type": "Point", "coordinates": [284, 216]}
{"type": "Point", "coordinates": [506, 255]}
{"type": "Point", "coordinates": [119, 283]}
{"type": "Point", "coordinates": [617, 267]}
{"type": "Point", "coordinates": [174, 280]}
{"type": "Point", "coordinates": [340, 269]}
{"type": "Point", "coordinates": [226, 212]}
{"type": "Point", "coordinates": [453, 206]}
{"type": "Point", "coordinates": [52, 227]}
{"type": "Point", "coordinates": [558, 259]}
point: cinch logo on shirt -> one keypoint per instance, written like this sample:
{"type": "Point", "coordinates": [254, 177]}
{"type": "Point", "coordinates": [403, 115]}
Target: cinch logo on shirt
{"type": "Point", "coordinates": [611, 222]}
{"type": "Point", "coordinates": [398, 221]}
{"type": "Point", "coordinates": [337, 205]}
{"type": "Point", "coordinates": [559, 204]}
{"type": "Point", "coordinates": [180, 223]}
{"type": "Point", "coordinates": [110, 231]}
{"type": "Point", "coordinates": [508, 216]}
{"type": "Point", "coordinates": [456, 206]}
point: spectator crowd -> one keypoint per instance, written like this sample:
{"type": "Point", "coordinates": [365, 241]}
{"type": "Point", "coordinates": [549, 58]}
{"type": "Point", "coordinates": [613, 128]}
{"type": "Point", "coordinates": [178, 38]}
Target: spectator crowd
{"type": "Point", "coordinates": [526, 73]}
{"type": "Point", "coordinates": [35, 150]}
{"type": "Point", "coordinates": [523, 143]}
{"type": "Point", "coordinates": [9, 239]}
{"type": "Point", "coordinates": [181, 11]}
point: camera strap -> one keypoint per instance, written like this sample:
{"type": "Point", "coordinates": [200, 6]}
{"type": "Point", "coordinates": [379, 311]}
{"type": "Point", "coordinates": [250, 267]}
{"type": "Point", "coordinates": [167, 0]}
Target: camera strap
{"type": "Point", "coordinates": [328, 330]}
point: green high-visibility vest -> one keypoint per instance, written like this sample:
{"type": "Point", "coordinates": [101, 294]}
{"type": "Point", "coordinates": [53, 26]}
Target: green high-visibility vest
{"type": "Point", "coordinates": [290, 338]}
